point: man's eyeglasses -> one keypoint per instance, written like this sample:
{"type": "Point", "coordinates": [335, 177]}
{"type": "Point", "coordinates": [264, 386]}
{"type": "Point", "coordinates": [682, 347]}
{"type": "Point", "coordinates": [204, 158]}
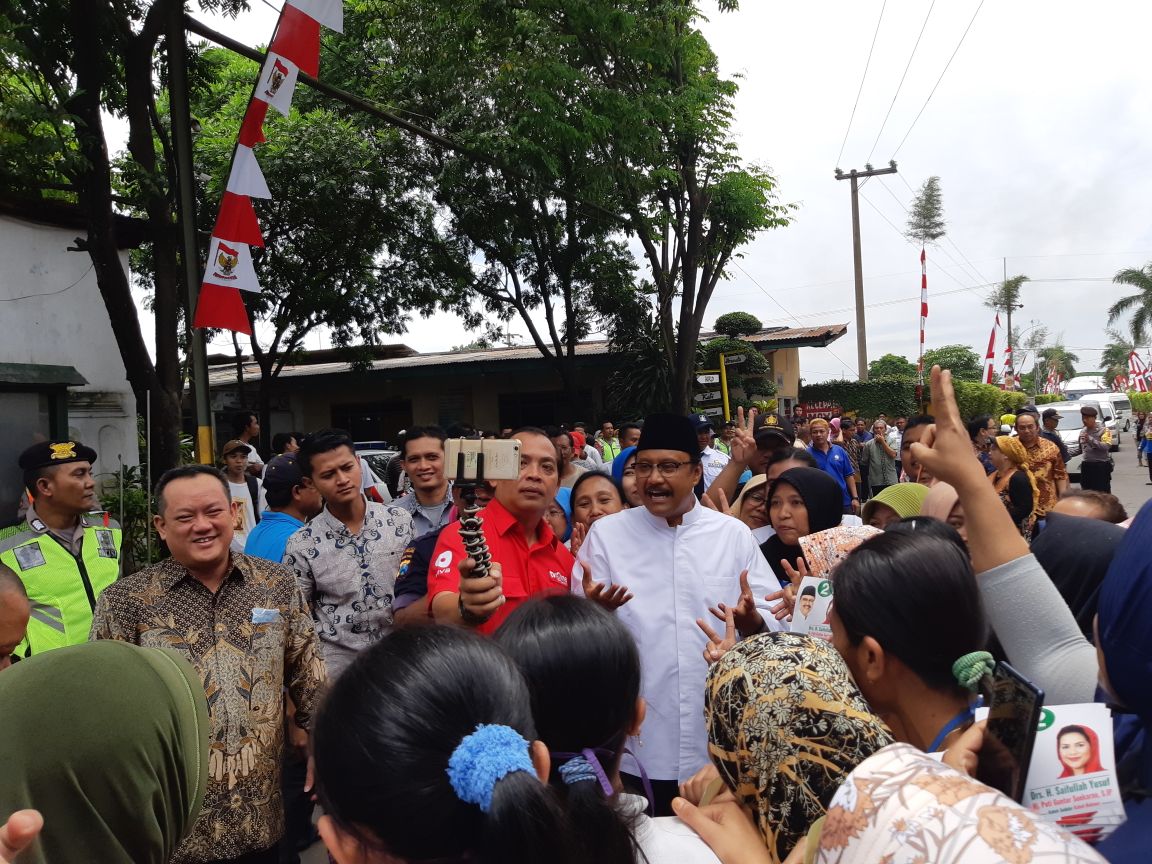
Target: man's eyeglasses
{"type": "Point", "coordinates": [666, 469]}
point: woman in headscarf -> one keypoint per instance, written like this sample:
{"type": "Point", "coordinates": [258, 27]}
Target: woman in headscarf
{"type": "Point", "coordinates": [751, 507]}
{"type": "Point", "coordinates": [1075, 553]}
{"type": "Point", "coordinates": [901, 804]}
{"type": "Point", "coordinates": [109, 741]}
{"type": "Point", "coordinates": [801, 501]}
{"type": "Point", "coordinates": [624, 472]}
{"type": "Point", "coordinates": [1014, 482]}
{"type": "Point", "coordinates": [786, 724]}
{"type": "Point", "coordinates": [893, 503]}
{"type": "Point", "coordinates": [943, 502]}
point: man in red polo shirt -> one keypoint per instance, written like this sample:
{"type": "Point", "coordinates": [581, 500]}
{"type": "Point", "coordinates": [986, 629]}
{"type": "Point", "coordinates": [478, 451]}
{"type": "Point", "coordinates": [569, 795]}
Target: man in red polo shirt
{"type": "Point", "coordinates": [527, 558]}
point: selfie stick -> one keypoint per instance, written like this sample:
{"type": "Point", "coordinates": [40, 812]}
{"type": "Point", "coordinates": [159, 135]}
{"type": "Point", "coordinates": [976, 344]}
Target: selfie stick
{"type": "Point", "coordinates": [470, 521]}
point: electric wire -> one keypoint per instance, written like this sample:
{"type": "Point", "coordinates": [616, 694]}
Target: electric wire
{"type": "Point", "coordinates": [899, 86]}
{"type": "Point", "coordinates": [860, 89]}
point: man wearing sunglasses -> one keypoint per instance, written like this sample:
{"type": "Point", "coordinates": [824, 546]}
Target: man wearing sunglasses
{"type": "Point", "coordinates": [679, 560]}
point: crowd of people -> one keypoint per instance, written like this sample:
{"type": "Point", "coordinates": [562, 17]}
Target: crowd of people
{"type": "Point", "coordinates": [615, 680]}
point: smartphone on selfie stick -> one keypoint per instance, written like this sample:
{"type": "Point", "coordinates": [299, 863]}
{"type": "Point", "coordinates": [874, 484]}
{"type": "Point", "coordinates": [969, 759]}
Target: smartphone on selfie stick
{"type": "Point", "coordinates": [478, 461]}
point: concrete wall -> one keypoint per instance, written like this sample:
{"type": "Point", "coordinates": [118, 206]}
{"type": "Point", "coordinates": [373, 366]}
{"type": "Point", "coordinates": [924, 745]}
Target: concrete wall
{"type": "Point", "coordinates": [53, 314]}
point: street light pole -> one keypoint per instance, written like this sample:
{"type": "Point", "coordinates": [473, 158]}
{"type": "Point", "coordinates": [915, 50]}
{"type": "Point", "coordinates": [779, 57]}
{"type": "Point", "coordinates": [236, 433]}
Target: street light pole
{"type": "Point", "coordinates": [857, 262]}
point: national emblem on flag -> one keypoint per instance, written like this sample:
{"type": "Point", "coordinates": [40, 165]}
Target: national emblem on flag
{"type": "Point", "coordinates": [230, 265]}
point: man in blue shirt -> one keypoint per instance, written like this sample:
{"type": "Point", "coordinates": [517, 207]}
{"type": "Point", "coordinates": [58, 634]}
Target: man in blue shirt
{"type": "Point", "coordinates": [833, 460]}
{"type": "Point", "coordinates": [290, 505]}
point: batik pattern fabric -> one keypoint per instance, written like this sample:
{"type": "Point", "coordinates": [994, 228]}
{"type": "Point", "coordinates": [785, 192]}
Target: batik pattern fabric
{"type": "Point", "coordinates": [825, 549]}
{"type": "Point", "coordinates": [901, 806]}
{"type": "Point", "coordinates": [1048, 468]}
{"type": "Point", "coordinates": [248, 642]}
{"type": "Point", "coordinates": [786, 724]}
{"type": "Point", "coordinates": [348, 580]}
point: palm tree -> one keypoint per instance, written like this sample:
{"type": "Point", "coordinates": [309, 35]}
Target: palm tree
{"type": "Point", "coordinates": [1140, 304]}
{"type": "Point", "coordinates": [1114, 358]}
{"type": "Point", "coordinates": [1059, 358]}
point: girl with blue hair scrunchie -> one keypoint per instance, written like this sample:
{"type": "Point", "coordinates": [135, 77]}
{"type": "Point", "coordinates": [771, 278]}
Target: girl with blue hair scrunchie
{"type": "Point", "coordinates": [583, 672]}
{"type": "Point", "coordinates": [425, 750]}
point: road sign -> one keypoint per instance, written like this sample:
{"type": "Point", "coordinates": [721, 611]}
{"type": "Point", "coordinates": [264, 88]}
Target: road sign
{"type": "Point", "coordinates": [713, 378]}
{"type": "Point", "coordinates": [715, 411]}
{"type": "Point", "coordinates": [707, 396]}
{"type": "Point", "coordinates": [734, 359]}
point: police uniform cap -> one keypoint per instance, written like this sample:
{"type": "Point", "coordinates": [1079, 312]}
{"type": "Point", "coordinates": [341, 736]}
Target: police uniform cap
{"type": "Point", "coordinates": [49, 453]}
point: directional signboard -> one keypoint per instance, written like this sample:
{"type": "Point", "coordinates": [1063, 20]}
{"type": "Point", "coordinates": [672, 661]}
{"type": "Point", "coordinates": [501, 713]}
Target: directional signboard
{"type": "Point", "coordinates": [714, 411]}
{"type": "Point", "coordinates": [707, 396]}
{"type": "Point", "coordinates": [713, 378]}
{"type": "Point", "coordinates": [734, 359]}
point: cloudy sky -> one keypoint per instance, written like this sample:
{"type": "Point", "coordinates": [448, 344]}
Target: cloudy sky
{"type": "Point", "coordinates": [1035, 129]}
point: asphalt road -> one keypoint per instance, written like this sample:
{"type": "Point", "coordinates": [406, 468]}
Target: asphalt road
{"type": "Point", "coordinates": [1130, 483]}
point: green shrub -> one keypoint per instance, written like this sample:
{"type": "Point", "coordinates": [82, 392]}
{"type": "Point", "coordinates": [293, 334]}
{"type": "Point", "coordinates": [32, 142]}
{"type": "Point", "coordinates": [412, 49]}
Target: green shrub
{"type": "Point", "coordinates": [1047, 398]}
{"type": "Point", "coordinates": [1011, 402]}
{"type": "Point", "coordinates": [889, 396]}
{"type": "Point", "coordinates": [1140, 401]}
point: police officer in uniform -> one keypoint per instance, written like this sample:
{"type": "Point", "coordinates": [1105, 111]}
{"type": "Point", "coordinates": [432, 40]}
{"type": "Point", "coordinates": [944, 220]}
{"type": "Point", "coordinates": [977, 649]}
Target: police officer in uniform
{"type": "Point", "coordinates": [64, 555]}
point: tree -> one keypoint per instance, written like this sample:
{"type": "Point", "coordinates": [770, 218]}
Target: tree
{"type": "Point", "coordinates": [1139, 304]}
{"type": "Point", "coordinates": [1115, 356]}
{"type": "Point", "coordinates": [78, 61]}
{"type": "Point", "coordinates": [892, 366]}
{"type": "Point", "coordinates": [966, 364]}
{"type": "Point", "coordinates": [926, 215]}
{"type": "Point", "coordinates": [753, 376]}
{"type": "Point", "coordinates": [1006, 295]}
{"type": "Point", "coordinates": [1056, 357]}
{"type": "Point", "coordinates": [737, 324]}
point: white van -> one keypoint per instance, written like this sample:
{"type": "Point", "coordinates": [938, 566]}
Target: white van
{"type": "Point", "coordinates": [1121, 406]}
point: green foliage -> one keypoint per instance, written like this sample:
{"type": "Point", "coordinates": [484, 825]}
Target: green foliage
{"type": "Point", "coordinates": [1140, 401]}
{"type": "Point", "coordinates": [889, 396]}
{"type": "Point", "coordinates": [1056, 357]}
{"type": "Point", "coordinates": [974, 399]}
{"type": "Point", "coordinates": [892, 366]}
{"type": "Point", "coordinates": [737, 324]}
{"type": "Point", "coordinates": [126, 499]}
{"type": "Point", "coordinates": [926, 215]}
{"type": "Point", "coordinates": [964, 363]}
{"type": "Point", "coordinates": [1114, 358]}
{"type": "Point", "coordinates": [1011, 401]}
{"type": "Point", "coordinates": [642, 382]}
{"type": "Point", "coordinates": [1047, 398]}
{"type": "Point", "coordinates": [1139, 304]}
{"type": "Point", "coordinates": [1006, 296]}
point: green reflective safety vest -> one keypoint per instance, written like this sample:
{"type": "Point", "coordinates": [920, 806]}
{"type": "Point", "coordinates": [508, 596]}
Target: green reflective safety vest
{"type": "Point", "coordinates": [63, 589]}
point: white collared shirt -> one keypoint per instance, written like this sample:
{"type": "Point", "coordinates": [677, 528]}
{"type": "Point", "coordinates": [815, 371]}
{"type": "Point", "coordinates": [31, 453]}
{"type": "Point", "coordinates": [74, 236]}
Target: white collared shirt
{"type": "Point", "coordinates": [713, 461]}
{"type": "Point", "coordinates": [674, 575]}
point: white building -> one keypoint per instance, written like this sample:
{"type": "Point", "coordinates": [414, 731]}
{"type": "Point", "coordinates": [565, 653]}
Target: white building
{"type": "Point", "coordinates": [54, 322]}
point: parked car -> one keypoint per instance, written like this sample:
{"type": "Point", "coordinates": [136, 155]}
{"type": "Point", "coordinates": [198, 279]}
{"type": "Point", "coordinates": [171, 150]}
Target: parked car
{"type": "Point", "coordinates": [377, 459]}
{"type": "Point", "coordinates": [1120, 403]}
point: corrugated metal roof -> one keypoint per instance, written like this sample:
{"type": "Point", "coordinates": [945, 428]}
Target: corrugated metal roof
{"type": "Point", "coordinates": [222, 375]}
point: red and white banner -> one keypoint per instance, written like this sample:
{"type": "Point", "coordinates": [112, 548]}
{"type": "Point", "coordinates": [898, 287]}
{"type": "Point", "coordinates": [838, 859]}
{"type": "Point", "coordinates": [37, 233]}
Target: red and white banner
{"type": "Point", "coordinates": [295, 48]}
{"type": "Point", "coordinates": [1138, 374]}
{"type": "Point", "coordinates": [990, 356]}
{"type": "Point", "coordinates": [923, 315]}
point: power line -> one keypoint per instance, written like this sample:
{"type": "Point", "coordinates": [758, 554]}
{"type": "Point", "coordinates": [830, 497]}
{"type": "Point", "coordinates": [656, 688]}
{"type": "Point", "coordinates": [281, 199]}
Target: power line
{"type": "Point", "coordinates": [795, 318]}
{"type": "Point", "coordinates": [860, 89]}
{"type": "Point", "coordinates": [907, 66]}
{"type": "Point", "coordinates": [938, 80]}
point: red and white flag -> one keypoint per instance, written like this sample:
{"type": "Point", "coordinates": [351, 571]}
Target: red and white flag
{"type": "Point", "coordinates": [246, 177]}
{"type": "Point", "coordinates": [221, 308]}
{"type": "Point", "coordinates": [230, 265]}
{"type": "Point", "coordinates": [237, 221]}
{"type": "Point", "coordinates": [330, 13]}
{"type": "Point", "coordinates": [1138, 374]}
{"type": "Point", "coordinates": [990, 357]}
{"type": "Point", "coordinates": [277, 82]}
{"type": "Point", "coordinates": [923, 316]}
{"type": "Point", "coordinates": [297, 37]}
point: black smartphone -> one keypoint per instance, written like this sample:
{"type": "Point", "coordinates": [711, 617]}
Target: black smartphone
{"type": "Point", "coordinates": [1013, 720]}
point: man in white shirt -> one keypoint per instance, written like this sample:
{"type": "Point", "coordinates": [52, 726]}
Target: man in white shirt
{"type": "Point", "coordinates": [244, 491]}
{"type": "Point", "coordinates": [678, 559]}
{"type": "Point", "coordinates": [246, 425]}
{"type": "Point", "coordinates": [711, 459]}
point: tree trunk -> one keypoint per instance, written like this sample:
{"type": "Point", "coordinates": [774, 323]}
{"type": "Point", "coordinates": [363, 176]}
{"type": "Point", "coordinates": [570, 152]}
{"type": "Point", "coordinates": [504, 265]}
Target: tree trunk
{"type": "Point", "coordinates": [94, 186]}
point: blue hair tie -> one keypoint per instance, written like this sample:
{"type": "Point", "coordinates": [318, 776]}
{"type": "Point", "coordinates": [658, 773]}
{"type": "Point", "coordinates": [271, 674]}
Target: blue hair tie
{"type": "Point", "coordinates": [583, 767]}
{"type": "Point", "coordinates": [484, 758]}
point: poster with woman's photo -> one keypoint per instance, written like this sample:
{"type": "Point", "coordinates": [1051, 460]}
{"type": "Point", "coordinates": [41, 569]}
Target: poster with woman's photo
{"type": "Point", "coordinates": [1072, 776]}
{"type": "Point", "coordinates": [813, 606]}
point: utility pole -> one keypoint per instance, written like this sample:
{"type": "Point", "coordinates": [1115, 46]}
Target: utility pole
{"type": "Point", "coordinates": [857, 262]}
{"type": "Point", "coordinates": [186, 208]}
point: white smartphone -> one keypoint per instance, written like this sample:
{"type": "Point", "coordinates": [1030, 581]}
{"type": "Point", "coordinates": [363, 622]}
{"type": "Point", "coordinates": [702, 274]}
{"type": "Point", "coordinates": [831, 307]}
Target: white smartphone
{"type": "Point", "coordinates": [501, 458]}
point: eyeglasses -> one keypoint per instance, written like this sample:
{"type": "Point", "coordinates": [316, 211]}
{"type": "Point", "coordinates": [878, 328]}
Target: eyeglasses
{"type": "Point", "coordinates": [666, 469]}
{"type": "Point", "coordinates": [756, 500]}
